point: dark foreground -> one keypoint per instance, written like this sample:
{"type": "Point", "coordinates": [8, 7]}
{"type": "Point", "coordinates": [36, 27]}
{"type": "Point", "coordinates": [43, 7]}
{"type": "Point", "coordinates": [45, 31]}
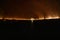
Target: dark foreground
{"type": "Point", "coordinates": [27, 28]}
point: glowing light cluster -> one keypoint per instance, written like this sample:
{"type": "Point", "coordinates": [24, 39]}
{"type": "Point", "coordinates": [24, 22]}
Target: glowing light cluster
{"type": "Point", "coordinates": [57, 17]}
{"type": "Point", "coordinates": [41, 18]}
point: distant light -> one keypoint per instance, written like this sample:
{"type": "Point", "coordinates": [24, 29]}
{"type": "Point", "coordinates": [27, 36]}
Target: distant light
{"type": "Point", "coordinates": [41, 18]}
{"type": "Point", "coordinates": [56, 17]}
{"type": "Point", "coordinates": [48, 18]}
{"type": "Point", "coordinates": [32, 19]}
{"type": "Point", "coordinates": [1, 18]}
{"type": "Point", "coordinates": [8, 18]}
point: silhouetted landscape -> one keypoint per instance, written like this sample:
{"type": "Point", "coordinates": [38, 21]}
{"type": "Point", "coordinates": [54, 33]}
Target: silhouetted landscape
{"type": "Point", "coordinates": [27, 28]}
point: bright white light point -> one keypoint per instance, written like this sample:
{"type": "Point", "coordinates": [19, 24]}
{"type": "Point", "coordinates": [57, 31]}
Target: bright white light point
{"type": "Point", "coordinates": [32, 19]}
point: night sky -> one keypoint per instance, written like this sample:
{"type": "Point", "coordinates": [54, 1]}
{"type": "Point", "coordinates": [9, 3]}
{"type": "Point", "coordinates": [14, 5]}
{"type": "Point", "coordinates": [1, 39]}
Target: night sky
{"type": "Point", "coordinates": [29, 8]}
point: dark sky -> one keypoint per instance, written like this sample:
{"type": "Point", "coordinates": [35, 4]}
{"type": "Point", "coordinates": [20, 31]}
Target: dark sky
{"type": "Point", "coordinates": [29, 8]}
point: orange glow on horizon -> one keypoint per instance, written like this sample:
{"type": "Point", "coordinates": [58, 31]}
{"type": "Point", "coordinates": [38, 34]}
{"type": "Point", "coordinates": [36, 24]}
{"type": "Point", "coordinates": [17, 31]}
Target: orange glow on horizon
{"type": "Point", "coordinates": [47, 18]}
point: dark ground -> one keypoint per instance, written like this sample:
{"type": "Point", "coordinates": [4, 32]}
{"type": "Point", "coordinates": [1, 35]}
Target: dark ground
{"type": "Point", "coordinates": [29, 29]}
